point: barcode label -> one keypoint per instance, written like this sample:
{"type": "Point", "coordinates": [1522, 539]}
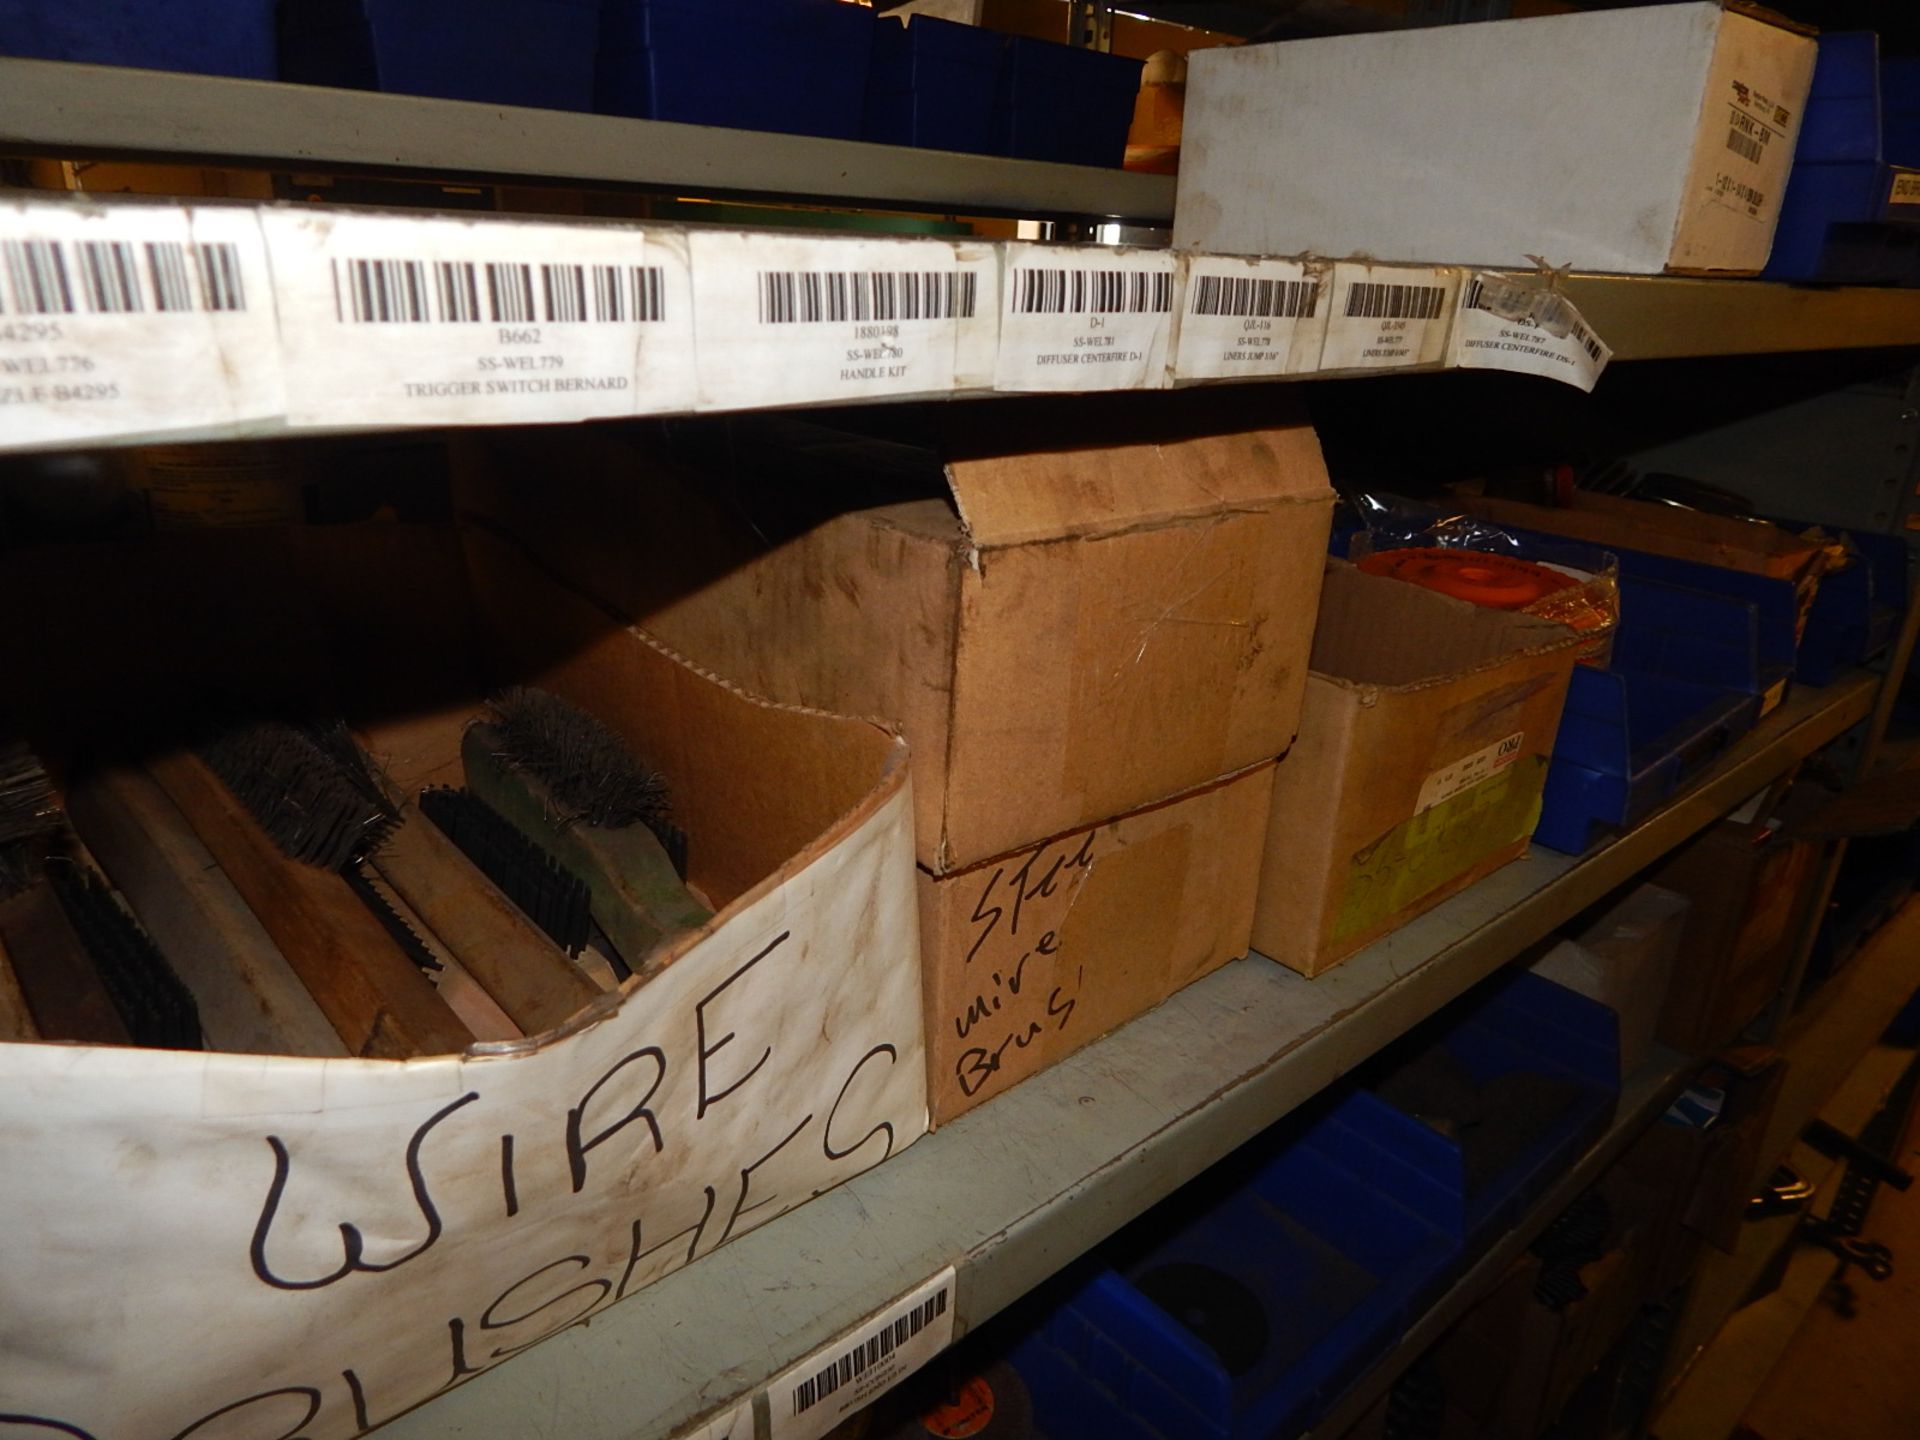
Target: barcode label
{"type": "Point", "coordinates": [500, 292]}
{"type": "Point", "coordinates": [791, 319]}
{"type": "Point", "coordinates": [864, 1356]}
{"type": "Point", "coordinates": [432, 320]}
{"type": "Point", "coordinates": [1248, 319]}
{"type": "Point", "coordinates": [1250, 298]}
{"type": "Point", "coordinates": [815, 1395]}
{"type": "Point", "coordinates": [118, 277]}
{"type": "Point", "coordinates": [1745, 146]}
{"type": "Point", "coordinates": [132, 322]}
{"type": "Point", "coordinates": [813, 297]}
{"type": "Point", "coordinates": [1086, 317]}
{"type": "Point", "coordinates": [1508, 324]}
{"type": "Point", "coordinates": [1388, 317]}
{"type": "Point", "coordinates": [1091, 292]}
{"type": "Point", "coordinates": [1367, 301]}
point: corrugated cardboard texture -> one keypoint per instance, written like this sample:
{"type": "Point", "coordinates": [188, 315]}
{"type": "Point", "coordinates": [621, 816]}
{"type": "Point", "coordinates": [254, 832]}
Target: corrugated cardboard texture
{"type": "Point", "coordinates": [1030, 957]}
{"type": "Point", "coordinates": [1571, 137]}
{"type": "Point", "coordinates": [1137, 625]}
{"type": "Point", "coordinates": [1422, 752]}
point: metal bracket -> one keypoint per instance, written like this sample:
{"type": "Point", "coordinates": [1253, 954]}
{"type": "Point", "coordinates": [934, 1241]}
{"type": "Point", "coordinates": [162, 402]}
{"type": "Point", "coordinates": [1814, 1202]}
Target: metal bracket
{"type": "Point", "coordinates": [1090, 24]}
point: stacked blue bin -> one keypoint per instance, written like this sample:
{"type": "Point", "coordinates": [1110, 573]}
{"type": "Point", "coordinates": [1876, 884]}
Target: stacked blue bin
{"type": "Point", "coordinates": [1060, 102]}
{"type": "Point", "coordinates": [211, 37]}
{"type": "Point", "coordinates": [1335, 1230]}
{"type": "Point", "coordinates": [932, 85]}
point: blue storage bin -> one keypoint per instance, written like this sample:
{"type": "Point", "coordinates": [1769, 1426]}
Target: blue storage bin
{"type": "Point", "coordinates": [1857, 609]}
{"type": "Point", "coordinates": [1681, 687]}
{"type": "Point", "coordinates": [798, 66]}
{"type": "Point", "coordinates": [931, 85]}
{"type": "Point", "coordinates": [537, 53]}
{"type": "Point", "coordinates": [1060, 102]}
{"type": "Point", "coordinates": [208, 37]}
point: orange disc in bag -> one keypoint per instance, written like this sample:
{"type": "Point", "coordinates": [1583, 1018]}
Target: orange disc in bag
{"type": "Point", "coordinates": [1499, 582]}
{"type": "Point", "coordinates": [965, 1413]}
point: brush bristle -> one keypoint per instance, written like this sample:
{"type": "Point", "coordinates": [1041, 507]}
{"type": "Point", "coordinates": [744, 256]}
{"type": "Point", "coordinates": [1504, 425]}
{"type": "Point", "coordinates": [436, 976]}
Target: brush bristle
{"type": "Point", "coordinates": [554, 898]}
{"type": "Point", "coordinates": [28, 810]}
{"type": "Point", "coordinates": [316, 806]}
{"type": "Point", "coordinates": [592, 776]}
{"type": "Point", "coordinates": [155, 1006]}
{"type": "Point", "coordinates": [404, 935]}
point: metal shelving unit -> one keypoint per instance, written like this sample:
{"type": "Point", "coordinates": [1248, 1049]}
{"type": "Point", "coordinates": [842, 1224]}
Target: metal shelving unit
{"type": "Point", "coordinates": [1016, 1189]}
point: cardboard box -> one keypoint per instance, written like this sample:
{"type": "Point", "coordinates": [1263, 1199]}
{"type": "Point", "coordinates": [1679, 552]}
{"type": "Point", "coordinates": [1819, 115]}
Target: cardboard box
{"type": "Point", "coordinates": [1083, 609]}
{"type": "Point", "coordinates": [1749, 886]}
{"type": "Point", "coordinates": [1423, 749]}
{"type": "Point", "coordinates": [189, 1230]}
{"type": "Point", "coordinates": [1642, 140]}
{"type": "Point", "coordinates": [1030, 957]}
{"type": "Point", "coordinates": [1623, 957]}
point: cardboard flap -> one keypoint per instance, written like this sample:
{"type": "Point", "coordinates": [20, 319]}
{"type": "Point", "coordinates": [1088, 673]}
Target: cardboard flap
{"type": "Point", "coordinates": [1091, 470]}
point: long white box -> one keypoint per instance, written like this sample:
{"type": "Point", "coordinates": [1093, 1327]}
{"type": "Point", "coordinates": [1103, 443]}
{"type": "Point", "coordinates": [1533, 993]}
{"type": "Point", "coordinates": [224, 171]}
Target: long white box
{"type": "Point", "coordinates": [1640, 141]}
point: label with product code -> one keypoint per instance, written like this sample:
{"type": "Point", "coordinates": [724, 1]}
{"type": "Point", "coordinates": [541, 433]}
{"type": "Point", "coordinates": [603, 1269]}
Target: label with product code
{"type": "Point", "coordinates": [1085, 317]}
{"type": "Point", "coordinates": [1388, 317]}
{"type": "Point", "coordinates": [1249, 318]}
{"type": "Point", "coordinates": [790, 319]}
{"type": "Point", "coordinates": [822, 1390]}
{"type": "Point", "coordinates": [1507, 324]}
{"type": "Point", "coordinates": [122, 322]}
{"type": "Point", "coordinates": [432, 319]}
{"type": "Point", "coordinates": [1904, 189]}
{"type": "Point", "coordinates": [1469, 771]}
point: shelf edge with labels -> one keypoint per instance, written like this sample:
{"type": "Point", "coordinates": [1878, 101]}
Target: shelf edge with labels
{"type": "Point", "coordinates": [1013, 1191]}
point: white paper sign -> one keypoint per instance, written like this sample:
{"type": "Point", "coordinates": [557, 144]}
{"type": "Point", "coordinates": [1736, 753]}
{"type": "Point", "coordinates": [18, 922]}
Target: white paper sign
{"type": "Point", "coordinates": [443, 320]}
{"type": "Point", "coordinates": [855, 1370]}
{"type": "Point", "coordinates": [122, 322]}
{"type": "Point", "coordinates": [1085, 317]}
{"type": "Point", "coordinates": [1507, 324]}
{"type": "Point", "coordinates": [792, 319]}
{"type": "Point", "coordinates": [1248, 318]}
{"type": "Point", "coordinates": [1388, 317]}
{"type": "Point", "coordinates": [309, 1247]}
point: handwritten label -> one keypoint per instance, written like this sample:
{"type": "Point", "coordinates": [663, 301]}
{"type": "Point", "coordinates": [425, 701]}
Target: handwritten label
{"type": "Point", "coordinates": [1469, 771]}
{"type": "Point", "coordinates": [1017, 985]}
{"type": "Point", "coordinates": [1248, 318]}
{"type": "Point", "coordinates": [788, 319]}
{"type": "Point", "coordinates": [306, 1247]}
{"type": "Point", "coordinates": [428, 319]}
{"type": "Point", "coordinates": [1085, 317]}
{"type": "Point", "coordinates": [1388, 317]}
{"type": "Point", "coordinates": [1509, 324]}
{"type": "Point", "coordinates": [126, 322]}
{"type": "Point", "coordinates": [855, 1370]}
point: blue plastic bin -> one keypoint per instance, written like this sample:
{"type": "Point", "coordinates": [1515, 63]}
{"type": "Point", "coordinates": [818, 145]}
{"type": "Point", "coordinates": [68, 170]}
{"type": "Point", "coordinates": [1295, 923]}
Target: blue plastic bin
{"type": "Point", "coordinates": [536, 53]}
{"type": "Point", "coordinates": [931, 85]}
{"type": "Point", "coordinates": [1856, 610]}
{"type": "Point", "coordinates": [1060, 102]}
{"type": "Point", "coordinates": [208, 37]}
{"type": "Point", "coordinates": [1681, 686]}
{"type": "Point", "coordinates": [798, 66]}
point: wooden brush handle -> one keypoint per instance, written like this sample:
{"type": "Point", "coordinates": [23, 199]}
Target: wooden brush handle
{"type": "Point", "coordinates": [527, 975]}
{"type": "Point", "coordinates": [378, 1003]}
{"type": "Point", "coordinates": [62, 989]}
{"type": "Point", "coordinates": [250, 1000]}
{"type": "Point", "coordinates": [16, 1020]}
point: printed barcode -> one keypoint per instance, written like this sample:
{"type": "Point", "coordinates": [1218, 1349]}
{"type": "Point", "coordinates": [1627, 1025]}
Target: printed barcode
{"type": "Point", "coordinates": [807, 297]}
{"type": "Point", "coordinates": [1477, 300]}
{"type": "Point", "coordinates": [1587, 341]}
{"type": "Point", "coordinates": [1745, 146]}
{"type": "Point", "coordinates": [1245, 296]}
{"type": "Point", "coordinates": [863, 1356]}
{"type": "Point", "coordinates": [502, 292]}
{"type": "Point", "coordinates": [1092, 292]}
{"type": "Point", "coordinates": [1371, 301]}
{"type": "Point", "coordinates": [119, 277]}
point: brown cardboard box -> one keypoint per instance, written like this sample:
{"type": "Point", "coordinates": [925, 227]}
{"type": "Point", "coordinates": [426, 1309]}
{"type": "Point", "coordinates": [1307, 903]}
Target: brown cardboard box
{"type": "Point", "coordinates": [1084, 609]}
{"type": "Point", "coordinates": [1423, 748]}
{"type": "Point", "coordinates": [1749, 887]}
{"type": "Point", "coordinates": [1029, 957]}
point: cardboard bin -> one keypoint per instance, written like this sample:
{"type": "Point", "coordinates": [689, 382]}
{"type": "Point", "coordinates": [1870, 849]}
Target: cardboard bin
{"type": "Point", "coordinates": [193, 1235]}
{"type": "Point", "coordinates": [1424, 743]}
{"type": "Point", "coordinates": [1083, 609]}
{"type": "Point", "coordinates": [1642, 140]}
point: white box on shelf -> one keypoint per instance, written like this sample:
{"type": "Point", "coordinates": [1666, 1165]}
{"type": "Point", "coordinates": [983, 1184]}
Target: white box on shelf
{"type": "Point", "coordinates": [1642, 140]}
